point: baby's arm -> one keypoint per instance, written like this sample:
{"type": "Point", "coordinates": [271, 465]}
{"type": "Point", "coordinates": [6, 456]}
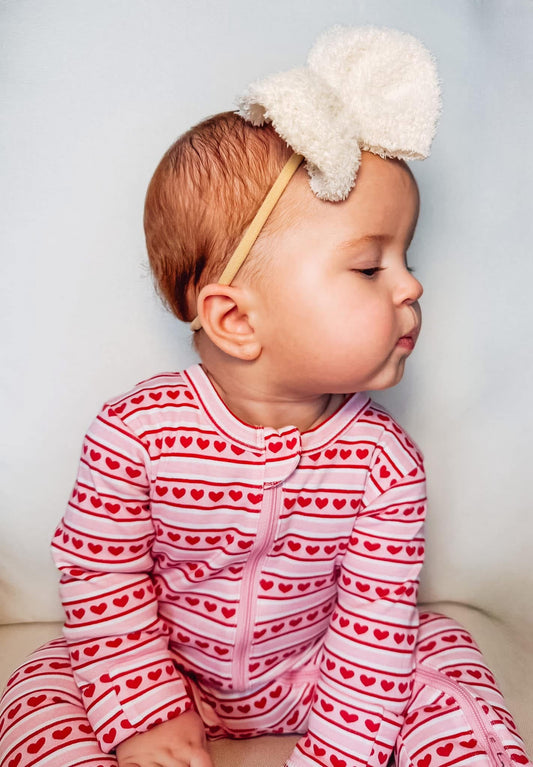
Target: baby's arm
{"type": "Point", "coordinates": [368, 662]}
{"type": "Point", "coordinates": [118, 643]}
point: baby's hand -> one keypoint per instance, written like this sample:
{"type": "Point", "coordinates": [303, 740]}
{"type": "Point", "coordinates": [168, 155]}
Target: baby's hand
{"type": "Point", "coordinates": [180, 742]}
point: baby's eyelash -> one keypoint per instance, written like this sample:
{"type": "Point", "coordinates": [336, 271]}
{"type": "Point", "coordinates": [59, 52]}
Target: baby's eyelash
{"type": "Point", "coordinates": [371, 271]}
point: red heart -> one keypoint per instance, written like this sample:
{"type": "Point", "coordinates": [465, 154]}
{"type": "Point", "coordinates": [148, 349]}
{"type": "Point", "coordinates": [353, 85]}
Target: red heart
{"type": "Point", "coordinates": [36, 700]}
{"type": "Point", "coordinates": [236, 495]}
{"type": "Point", "coordinates": [197, 494]}
{"type": "Point", "coordinates": [349, 718]}
{"type": "Point", "coordinates": [134, 683]}
{"type": "Point", "coordinates": [132, 472]}
{"type": "Point", "coordinates": [472, 743]}
{"type": "Point", "coordinates": [293, 719]}
{"type": "Point", "coordinates": [33, 748]}
{"type": "Point", "coordinates": [372, 726]}
{"type": "Point", "coordinates": [368, 681]}
{"type": "Point", "coordinates": [15, 761]}
{"type": "Point", "coordinates": [216, 496]}
{"type": "Point", "coordinates": [328, 707]}
{"type": "Point", "coordinates": [445, 750]}
{"type": "Point", "coordinates": [14, 711]}
{"type": "Point", "coordinates": [61, 734]}
{"type": "Point", "coordinates": [112, 463]}
{"type": "Point", "coordinates": [424, 762]}
{"type": "Point", "coordinates": [321, 502]}
{"type": "Point", "coordinates": [336, 762]}
{"type": "Point", "coordinates": [427, 647]}
{"type": "Point", "coordinates": [110, 736]}
{"type": "Point", "coordinates": [255, 497]}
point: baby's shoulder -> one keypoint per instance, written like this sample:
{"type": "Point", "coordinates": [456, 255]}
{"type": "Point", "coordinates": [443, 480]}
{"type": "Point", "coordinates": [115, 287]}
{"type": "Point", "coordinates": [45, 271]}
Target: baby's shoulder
{"type": "Point", "coordinates": [163, 401]}
{"type": "Point", "coordinates": [376, 425]}
{"type": "Point", "coordinates": [159, 389]}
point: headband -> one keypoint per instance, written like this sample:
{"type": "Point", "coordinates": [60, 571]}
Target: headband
{"type": "Point", "coordinates": [363, 89]}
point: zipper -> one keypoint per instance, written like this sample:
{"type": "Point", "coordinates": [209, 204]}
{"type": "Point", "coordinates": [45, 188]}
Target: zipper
{"type": "Point", "coordinates": [483, 733]}
{"type": "Point", "coordinates": [244, 635]}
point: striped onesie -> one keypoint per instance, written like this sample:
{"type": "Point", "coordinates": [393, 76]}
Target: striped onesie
{"type": "Point", "coordinates": [266, 578]}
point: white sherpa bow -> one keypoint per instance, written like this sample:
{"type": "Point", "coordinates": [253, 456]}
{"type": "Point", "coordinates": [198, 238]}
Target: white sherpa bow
{"type": "Point", "coordinates": [364, 88]}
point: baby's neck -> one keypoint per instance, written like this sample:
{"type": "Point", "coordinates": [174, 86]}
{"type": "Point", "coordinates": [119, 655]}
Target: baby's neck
{"type": "Point", "coordinates": [253, 403]}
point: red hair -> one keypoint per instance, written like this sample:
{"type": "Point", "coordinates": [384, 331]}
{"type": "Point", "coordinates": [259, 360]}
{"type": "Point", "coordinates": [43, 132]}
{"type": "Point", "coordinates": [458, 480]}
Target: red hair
{"type": "Point", "coordinates": [203, 195]}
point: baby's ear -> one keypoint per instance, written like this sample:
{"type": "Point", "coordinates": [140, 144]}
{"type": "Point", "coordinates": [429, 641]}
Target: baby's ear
{"type": "Point", "coordinates": [224, 311]}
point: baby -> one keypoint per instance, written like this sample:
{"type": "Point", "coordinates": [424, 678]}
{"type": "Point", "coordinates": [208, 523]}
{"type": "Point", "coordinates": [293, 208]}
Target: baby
{"type": "Point", "coordinates": [243, 543]}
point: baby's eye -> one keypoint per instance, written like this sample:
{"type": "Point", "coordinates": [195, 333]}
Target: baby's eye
{"type": "Point", "coordinates": [369, 272]}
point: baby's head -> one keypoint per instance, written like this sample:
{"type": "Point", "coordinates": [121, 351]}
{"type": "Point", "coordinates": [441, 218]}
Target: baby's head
{"type": "Point", "coordinates": [203, 195]}
{"type": "Point", "coordinates": [326, 283]}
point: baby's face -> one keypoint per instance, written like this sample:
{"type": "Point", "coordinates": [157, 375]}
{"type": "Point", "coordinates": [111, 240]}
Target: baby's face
{"type": "Point", "coordinates": [338, 309]}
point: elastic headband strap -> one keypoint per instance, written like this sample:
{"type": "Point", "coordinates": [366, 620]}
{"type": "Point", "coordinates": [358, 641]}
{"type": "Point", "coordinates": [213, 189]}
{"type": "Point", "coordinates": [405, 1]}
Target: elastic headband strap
{"type": "Point", "coordinates": [252, 233]}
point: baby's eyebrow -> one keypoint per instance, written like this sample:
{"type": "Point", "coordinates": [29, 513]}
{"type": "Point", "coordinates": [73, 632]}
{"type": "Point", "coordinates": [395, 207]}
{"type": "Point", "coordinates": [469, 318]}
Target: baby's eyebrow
{"type": "Point", "coordinates": [381, 238]}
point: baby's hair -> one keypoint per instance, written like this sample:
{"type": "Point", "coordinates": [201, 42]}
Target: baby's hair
{"type": "Point", "coordinates": [202, 196]}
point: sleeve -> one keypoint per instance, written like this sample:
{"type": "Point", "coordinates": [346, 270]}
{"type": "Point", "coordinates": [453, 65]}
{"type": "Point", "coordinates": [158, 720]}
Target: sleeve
{"type": "Point", "coordinates": [118, 644]}
{"type": "Point", "coordinates": [367, 668]}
